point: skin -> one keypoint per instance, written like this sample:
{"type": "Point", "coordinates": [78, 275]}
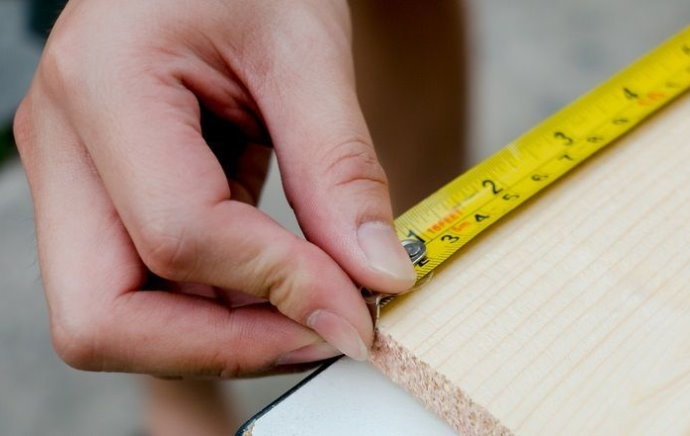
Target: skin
{"type": "Point", "coordinates": [145, 136]}
{"type": "Point", "coordinates": [222, 84]}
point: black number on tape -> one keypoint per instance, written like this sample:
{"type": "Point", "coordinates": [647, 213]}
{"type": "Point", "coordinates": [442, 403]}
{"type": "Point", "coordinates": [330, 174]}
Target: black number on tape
{"type": "Point", "coordinates": [567, 140]}
{"type": "Point", "coordinates": [491, 184]}
{"type": "Point", "coordinates": [449, 238]}
{"type": "Point", "coordinates": [479, 217]}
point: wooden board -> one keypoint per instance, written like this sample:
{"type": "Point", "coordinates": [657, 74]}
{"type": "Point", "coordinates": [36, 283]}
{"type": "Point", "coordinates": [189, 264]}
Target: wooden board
{"type": "Point", "coordinates": [572, 316]}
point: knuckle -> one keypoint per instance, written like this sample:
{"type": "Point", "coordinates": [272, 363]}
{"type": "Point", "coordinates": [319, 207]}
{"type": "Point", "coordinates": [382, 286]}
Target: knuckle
{"type": "Point", "coordinates": [291, 284]}
{"type": "Point", "coordinates": [60, 66]}
{"type": "Point", "coordinates": [282, 281]}
{"type": "Point", "coordinates": [353, 162]}
{"type": "Point", "coordinates": [166, 248]}
{"type": "Point", "coordinates": [22, 127]}
{"type": "Point", "coordinates": [77, 342]}
{"type": "Point", "coordinates": [230, 362]}
{"type": "Point", "coordinates": [282, 292]}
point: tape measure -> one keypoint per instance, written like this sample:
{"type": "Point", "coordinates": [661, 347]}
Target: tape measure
{"type": "Point", "coordinates": [452, 216]}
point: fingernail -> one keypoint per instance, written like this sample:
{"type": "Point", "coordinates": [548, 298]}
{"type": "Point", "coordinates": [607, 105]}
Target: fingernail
{"type": "Point", "coordinates": [339, 333]}
{"type": "Point", "coordinates": [384, 251]}
{"type": "Point", "coordinates": [308, 353]}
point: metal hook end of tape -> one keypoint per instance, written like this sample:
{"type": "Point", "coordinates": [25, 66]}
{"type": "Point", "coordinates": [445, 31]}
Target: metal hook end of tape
{"type": "Point", "coordinates": [416, 250]}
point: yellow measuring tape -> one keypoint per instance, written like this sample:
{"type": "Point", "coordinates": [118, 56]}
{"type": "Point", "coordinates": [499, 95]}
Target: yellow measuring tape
{"type": "Point", "coordinates": [459, 211]}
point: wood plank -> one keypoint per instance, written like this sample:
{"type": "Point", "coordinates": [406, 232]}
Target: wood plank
{"type": "Point", "coordinates": [572, 316]}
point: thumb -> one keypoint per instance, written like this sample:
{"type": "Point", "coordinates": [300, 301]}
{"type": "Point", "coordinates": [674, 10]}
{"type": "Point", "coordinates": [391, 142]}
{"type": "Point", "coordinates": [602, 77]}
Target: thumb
{"type": "Point", "coordinates": [331, 174]}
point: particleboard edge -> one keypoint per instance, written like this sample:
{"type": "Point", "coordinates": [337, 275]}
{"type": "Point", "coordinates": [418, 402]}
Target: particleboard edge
{"type": "Point", "coordinates": [434, 390]}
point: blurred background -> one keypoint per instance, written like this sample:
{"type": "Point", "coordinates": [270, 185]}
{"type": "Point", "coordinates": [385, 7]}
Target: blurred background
{"type": "Point", "coordinates": [526, 60]}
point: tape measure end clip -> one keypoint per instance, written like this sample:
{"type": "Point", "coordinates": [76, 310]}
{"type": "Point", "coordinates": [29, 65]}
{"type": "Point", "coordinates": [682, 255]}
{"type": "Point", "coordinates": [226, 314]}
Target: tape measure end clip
{"type": "Point", "coordinates": [416, 250]}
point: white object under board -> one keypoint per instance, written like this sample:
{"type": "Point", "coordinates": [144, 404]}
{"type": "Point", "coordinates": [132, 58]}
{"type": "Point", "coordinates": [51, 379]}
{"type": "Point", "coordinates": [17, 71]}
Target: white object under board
{"type": "Point", "coordinates": [346, 398]}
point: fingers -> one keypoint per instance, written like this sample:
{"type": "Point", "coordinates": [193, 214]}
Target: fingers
{"type": "Point", "coordinates": [330, 170]}
{"type": "Point", "coordinates": [172, 197]}
{"type": "Point", "coordinates": [172, 334]}
{"type": "Point", "coordinates": [91, 275]}
{"type": "Point", "coordinates": [121, 175]}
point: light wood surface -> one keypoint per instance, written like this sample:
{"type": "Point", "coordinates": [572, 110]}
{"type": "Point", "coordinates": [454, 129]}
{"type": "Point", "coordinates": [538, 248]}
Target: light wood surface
{"type": "Point", "coordinates": [572, 316]}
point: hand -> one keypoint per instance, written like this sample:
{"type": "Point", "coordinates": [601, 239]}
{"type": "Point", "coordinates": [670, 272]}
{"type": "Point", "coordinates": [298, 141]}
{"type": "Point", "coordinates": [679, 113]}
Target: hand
{"type": "Point", "coordinates": [145, 138]}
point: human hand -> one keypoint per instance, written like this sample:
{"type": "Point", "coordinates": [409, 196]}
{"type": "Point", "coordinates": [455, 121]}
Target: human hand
{"type": "Point", "coordinates": [144, 136]}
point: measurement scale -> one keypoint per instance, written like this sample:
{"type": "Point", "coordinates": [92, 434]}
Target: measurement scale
{"type": "Point", "coordinates": [438, 226]}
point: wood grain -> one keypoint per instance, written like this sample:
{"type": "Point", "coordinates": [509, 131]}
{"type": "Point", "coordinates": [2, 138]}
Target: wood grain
{"type": "Point", "coordinates": [572, 316]}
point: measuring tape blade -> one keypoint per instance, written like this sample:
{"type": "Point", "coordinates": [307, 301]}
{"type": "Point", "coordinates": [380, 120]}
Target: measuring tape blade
{"type": "Point", "coordinates": [452, 216]}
